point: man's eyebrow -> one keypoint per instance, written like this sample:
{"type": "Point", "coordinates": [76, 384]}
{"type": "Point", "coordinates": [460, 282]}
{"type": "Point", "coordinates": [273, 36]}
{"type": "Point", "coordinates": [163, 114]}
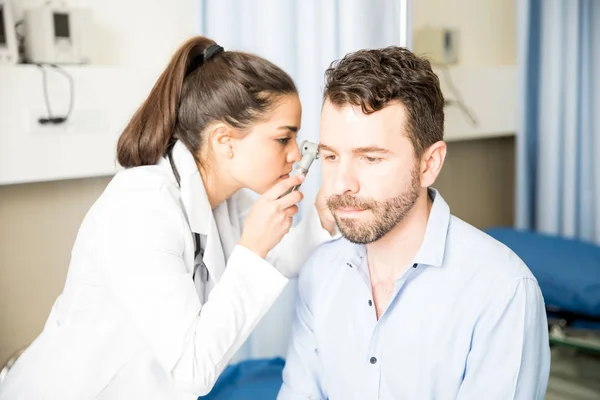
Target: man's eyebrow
{"type": "Point", "coordinates": [324, 147]}
{"type": "Point", "coordinates": [289, 128]}
{"type": "Point", "coordinates": [370, 149]}
{"type": "Point", "coordinates": [358, 150]}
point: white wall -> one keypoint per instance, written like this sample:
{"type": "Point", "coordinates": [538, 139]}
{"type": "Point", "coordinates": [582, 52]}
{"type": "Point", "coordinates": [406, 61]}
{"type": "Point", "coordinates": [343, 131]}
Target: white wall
{"type": "Point", "coordinates": [146, 32]}
{"type": "Point", "coordinates": [141, 33]}
{"type": "Point", "coordinates": [38, 221]}
{"type": "Point", "coordinates": [478, 176]}
{"type": "Point", "coordinates": [132, 41]}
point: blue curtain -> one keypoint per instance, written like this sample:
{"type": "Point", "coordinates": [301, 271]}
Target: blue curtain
{"type": "Point", "coordinates": [558, 142]}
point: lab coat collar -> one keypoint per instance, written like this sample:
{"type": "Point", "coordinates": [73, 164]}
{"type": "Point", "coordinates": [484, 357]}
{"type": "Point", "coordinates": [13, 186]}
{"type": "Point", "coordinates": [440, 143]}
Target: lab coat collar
{"type": "Point", "coordinates": [193, 192]}
{"type": "Point", "coordinates": [197, 207]}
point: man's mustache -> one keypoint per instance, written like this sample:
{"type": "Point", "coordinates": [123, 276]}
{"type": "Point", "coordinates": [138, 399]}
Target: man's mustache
{"type": "Point", "coordinates": [346, 201]}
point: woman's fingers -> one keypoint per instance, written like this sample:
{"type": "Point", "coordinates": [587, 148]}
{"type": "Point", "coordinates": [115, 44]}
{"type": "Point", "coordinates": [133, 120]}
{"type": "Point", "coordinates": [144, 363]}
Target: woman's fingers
{"type": "Point", "coordinates": [283, 186]}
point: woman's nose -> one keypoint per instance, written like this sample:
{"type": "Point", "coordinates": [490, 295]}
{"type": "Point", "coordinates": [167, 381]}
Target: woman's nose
{"type": "Point", "coordinates": [294, 155]}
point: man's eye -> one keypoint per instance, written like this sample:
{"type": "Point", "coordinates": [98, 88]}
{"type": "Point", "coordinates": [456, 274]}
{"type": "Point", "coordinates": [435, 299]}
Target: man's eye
{"type": "Point", "coordinates": [371, 160]}
{"type": "Point", "coordinates": [330, 157]}
{"type": "Point", "coordinates": [283, 140]}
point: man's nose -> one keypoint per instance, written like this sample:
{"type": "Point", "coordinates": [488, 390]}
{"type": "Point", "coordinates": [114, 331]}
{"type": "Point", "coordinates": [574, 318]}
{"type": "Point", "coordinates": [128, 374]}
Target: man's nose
{"type": "Point", "coordinates": [346, 180]}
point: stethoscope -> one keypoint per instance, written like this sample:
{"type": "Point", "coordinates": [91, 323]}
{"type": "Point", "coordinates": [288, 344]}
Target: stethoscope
{"type": "Point", "coordinates": [200, 268]}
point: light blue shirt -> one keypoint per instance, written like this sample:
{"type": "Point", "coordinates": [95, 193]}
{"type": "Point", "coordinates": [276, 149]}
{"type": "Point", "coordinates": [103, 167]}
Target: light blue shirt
{"type": "Point", "coordinates": [467, 321]}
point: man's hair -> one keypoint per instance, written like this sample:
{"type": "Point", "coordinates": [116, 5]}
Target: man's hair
{"type": "Point", "coordinates": [372, 79]}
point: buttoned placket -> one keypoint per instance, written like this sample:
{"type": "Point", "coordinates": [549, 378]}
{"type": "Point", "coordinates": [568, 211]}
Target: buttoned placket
{"type": "Point", "coordinates": [373, 361]}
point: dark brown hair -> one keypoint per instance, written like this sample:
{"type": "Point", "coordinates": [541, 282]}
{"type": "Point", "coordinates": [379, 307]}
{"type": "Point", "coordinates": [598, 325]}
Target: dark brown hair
{"type": "Point", "coordinates": [233, 87]}
{"type": "Point", "coordinates": [373, 78]}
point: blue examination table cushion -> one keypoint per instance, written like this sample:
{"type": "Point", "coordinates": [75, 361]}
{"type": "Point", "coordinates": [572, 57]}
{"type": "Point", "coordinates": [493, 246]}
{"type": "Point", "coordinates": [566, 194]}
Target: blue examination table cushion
{"type": "Point", "coordinates": [568, 271]}
{"type": "Point", "coordinates": [252, 379]}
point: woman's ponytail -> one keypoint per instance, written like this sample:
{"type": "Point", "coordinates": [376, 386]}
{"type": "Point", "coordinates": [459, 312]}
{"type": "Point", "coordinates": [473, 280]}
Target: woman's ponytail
{"type": "Point", "coordinates": [201, 84]}
{"type": "Point", "coordinates": [145, 139]}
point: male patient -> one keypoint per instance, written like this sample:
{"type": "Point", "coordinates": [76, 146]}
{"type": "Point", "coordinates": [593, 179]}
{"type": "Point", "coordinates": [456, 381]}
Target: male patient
{"type": "Point", "coordinates": [412, 303]}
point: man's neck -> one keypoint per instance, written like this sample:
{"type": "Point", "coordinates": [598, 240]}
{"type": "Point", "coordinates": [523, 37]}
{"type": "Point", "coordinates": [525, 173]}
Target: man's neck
{"type": "Point", "coordinates": [390, 256]}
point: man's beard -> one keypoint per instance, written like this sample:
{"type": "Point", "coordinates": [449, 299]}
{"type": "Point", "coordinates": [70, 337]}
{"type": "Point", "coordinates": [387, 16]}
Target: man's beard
{"type": "Point", "coordinates": [386, 214]}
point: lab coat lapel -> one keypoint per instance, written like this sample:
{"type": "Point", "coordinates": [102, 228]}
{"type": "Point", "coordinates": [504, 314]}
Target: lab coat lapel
{"type": "Point", "coordinates": [198, 210]}
{"type": "Point", "coordinates": [227, 220]}
{"type": "Point", "coordinates": [213, 254]}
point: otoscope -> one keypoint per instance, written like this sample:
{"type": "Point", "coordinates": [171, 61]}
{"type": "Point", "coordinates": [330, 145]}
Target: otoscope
{"type": "Point", "coordinates": [310, 152]}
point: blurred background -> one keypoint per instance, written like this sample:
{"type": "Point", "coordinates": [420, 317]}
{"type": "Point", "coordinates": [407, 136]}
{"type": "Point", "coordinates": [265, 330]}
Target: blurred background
{"type": "Point", "coordinates": [521, 83]}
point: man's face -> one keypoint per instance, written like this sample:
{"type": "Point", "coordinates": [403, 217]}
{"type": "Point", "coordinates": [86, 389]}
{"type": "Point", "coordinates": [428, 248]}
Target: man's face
{"type": "Point", "coordinates": [370, 173]}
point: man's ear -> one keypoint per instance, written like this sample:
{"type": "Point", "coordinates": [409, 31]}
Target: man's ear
{"type": "Point", "coordinates": [432, 162]}
{"type": "Point", "coordinates": [221, 139]}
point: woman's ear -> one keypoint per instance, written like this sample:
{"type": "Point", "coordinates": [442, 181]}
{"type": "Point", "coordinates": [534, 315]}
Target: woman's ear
{"type": "Point", "coordinates": [432, 162]}
{"type": "Point", "coordinates": [221, 137]}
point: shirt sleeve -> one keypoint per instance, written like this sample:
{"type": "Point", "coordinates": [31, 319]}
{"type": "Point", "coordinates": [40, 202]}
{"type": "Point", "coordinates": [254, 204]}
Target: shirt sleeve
{"type": "Point", "coordinates": [510, 354]}
{"type": "Point", "coordinates": [302, 373]}
{"type": "Point", "coordinates": [141, 256]}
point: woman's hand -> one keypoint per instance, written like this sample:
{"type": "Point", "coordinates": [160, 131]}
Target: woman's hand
{"type": "Point", "coordinates": [327, 221]}
{"type": "Point", "coordinates": [271, 217]}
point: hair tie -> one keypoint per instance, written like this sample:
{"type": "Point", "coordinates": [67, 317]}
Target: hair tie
{"type": "Point", "coordinates": [200, 59]}
{"type": "Point", "coordinates": [212, 51]}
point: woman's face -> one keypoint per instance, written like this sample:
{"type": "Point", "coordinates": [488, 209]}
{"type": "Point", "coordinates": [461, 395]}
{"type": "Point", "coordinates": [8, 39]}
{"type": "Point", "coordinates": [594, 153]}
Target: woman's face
{"type": "Point", "coordinates": [268, 151]}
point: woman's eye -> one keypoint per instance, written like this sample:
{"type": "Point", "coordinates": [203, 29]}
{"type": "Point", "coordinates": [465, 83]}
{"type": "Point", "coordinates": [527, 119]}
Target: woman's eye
{"type": "Point", "coordinates": [283, 141]}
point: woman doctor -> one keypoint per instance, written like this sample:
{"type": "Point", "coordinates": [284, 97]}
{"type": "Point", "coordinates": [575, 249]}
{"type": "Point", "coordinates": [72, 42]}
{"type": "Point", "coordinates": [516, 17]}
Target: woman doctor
{"type": "Point", "coordinates": [175, 263]}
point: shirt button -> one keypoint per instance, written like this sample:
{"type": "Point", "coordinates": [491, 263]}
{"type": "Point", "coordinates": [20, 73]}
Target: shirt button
{"type": "Point", "coordinates": [370, 303]}
{"type": "Point", "coordinates": [373, 360]}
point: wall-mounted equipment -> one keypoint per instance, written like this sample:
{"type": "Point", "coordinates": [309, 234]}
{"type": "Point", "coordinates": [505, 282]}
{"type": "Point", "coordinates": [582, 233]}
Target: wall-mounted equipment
{"type": "Point", "coordinates": [9, 53]}
{"type": "Point", "coordinates": [439, 45]}
{"type": "Point", "coordinates": [58, 35]}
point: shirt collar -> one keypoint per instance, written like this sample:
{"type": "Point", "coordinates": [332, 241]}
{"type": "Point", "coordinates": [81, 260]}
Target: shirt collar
{"type": "Point", "coordinates": [432, 249]}
{"type": "Point", "coordinates": [193, 193]}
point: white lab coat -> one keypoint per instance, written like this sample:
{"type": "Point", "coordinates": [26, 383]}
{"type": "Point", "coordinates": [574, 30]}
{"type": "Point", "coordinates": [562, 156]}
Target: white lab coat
{"type": "Point", "coordinates": [130, 323]}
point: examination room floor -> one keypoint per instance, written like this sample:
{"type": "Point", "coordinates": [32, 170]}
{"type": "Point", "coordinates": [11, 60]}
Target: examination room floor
{"type": "Point", "coordinates": [573, 376]}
